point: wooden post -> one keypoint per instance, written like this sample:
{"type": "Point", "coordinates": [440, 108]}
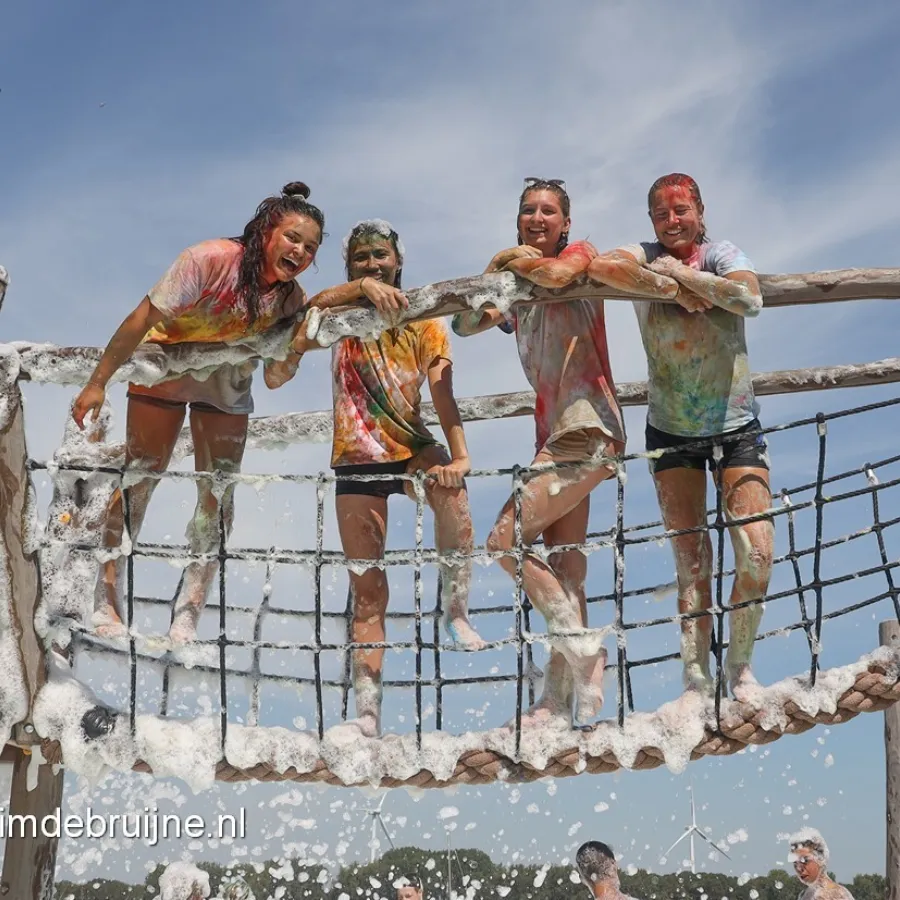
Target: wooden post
{"type": "Point", "coordinates": [21, 577]}
{"type": "Point", "coordinates": [30, 857]}
{"type": "Point", "coordinates": [889, 635]}
{"type": "Point", "coordinates": [29, 860]}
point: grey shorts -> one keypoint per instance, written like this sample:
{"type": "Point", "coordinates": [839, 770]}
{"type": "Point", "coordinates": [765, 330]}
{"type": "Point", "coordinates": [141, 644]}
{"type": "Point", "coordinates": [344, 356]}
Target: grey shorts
{"type": "Point", "coordinates": [228, 389]}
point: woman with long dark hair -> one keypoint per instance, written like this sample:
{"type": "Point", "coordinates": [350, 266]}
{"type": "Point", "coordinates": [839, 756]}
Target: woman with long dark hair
{"type": "Point", "coordinates": [701, 404]}
{"type": "Point", "coordinates": [563, 350]}
{"type": "Point", "coordinates": [217, 290]}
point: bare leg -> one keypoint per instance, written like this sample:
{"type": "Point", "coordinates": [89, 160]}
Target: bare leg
{"type": "Point", "coordinates": [219, 440]}
{"type": "Point", "coordinates": [545, 499]}
{"type": "Point", "coordinates": [682, 501]}
{"type": "Point", "coordinates": [452, 531]}
{"type": "Point", "coordinates": [362, 522]}
{"type": "Point", "coordinates": [747, 493]}
{"type": "Point", "coordinates": [151, 432]}
{"type": "Point", "coordinates": [571, 567]}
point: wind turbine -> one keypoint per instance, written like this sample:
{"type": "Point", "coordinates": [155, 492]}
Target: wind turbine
{"type": "Point", "coordinates": [374, 812]}
{"type": "Point", "coordinates": [447, 813]}
{"type": "Point", "coordinates": [692, 830]}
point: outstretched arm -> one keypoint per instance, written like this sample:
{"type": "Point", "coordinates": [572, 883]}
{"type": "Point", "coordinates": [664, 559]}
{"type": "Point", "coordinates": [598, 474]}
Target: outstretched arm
{"type": "Point", "coordinates": [440, 380]}
{"type": "Point", "coordinates": [736, 292]}
{"type": "Point", "coordinates": [121, 345]}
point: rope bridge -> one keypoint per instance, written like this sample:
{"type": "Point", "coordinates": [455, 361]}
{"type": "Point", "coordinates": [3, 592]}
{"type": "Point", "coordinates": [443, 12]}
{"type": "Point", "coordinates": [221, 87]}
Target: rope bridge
{"type": "Point", "coordinates": [683, 729]}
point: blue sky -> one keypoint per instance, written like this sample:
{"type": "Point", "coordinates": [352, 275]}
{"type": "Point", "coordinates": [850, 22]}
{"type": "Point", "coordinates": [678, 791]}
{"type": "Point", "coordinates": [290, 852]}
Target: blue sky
{"type": "Point", "coordinates": [131, 132]}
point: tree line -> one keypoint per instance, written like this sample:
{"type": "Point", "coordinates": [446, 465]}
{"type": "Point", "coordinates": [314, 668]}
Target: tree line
{"type": "Point", "coordinates": [472, 874]}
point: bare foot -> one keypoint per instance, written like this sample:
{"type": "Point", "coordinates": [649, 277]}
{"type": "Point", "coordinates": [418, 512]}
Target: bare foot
{"type": "Point", "coordinates": [108, 625]}
{"type": "Point", "coordinates": [588, 687]}
{"type": "Point", "coordinates": [368, 724]}
{"type": "Point", "coordinates": [183, 629]}
{"type": "Point", "coordinates": [742, 683]}
{"type": "Point", "coordinates": [462, 633]}
{"type": "Point", "coordinates": [545, 713]}
{"type": "Point", "coordinates": [695, 679]}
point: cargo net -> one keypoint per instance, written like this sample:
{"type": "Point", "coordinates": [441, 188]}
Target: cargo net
{"type": "Point", "coordinates": [263, 691]}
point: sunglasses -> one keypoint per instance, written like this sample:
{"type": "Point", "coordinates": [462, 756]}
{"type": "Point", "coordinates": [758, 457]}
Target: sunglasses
{"type": "Point", "coordinates": [536, 182]}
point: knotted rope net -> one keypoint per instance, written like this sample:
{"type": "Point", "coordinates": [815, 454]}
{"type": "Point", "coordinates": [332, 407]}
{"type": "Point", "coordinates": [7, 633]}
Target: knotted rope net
{"type": "Point", "coordinates": [263, 692]}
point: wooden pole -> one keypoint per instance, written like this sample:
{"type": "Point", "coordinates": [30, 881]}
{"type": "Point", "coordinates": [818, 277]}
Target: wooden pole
{"type": "Point", "coordinates": [20, 586]}
{"type": "Point", "coordinates": [29, 860]}
{"type": "Point", "coordinates": [30, 856]}
{"type": "Point", "coordinates": [152, 362]}
{"type": "Point", "coordinates": [889, 636]}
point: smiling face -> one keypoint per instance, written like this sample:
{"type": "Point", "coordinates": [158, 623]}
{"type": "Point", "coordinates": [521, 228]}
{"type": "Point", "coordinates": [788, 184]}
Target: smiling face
{"type": "Point", "coordinates": [290, 248]}
{"type": "Point", "coordinates": [677, 219]}
{"type": "Point", "coordinates": [541, 220]}
{"type": "Point", "coordinates": [373, 256]}
{"type": "Point", "coordinates": [806, 865]}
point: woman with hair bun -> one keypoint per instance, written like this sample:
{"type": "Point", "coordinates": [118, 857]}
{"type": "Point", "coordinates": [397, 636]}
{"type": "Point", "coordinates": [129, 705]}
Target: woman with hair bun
{"type": "Point", "coordinates": [702, 409]}
{"type": "Point", "coordinates": [218, 290]}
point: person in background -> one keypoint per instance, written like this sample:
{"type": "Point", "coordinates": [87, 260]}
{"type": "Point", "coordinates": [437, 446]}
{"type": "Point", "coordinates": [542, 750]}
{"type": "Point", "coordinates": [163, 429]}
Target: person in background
{"type": "Point", "coordinates": [810, 855]}
{"type": "Point", "coordinates": [409, 887]}
{"type": "Point", "coordinates": [596, 864]}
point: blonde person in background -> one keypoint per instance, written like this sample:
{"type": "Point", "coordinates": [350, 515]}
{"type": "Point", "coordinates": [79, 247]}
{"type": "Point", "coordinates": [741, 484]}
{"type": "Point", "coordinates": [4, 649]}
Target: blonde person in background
{"type": "Point", "coordinates": [810, 855]}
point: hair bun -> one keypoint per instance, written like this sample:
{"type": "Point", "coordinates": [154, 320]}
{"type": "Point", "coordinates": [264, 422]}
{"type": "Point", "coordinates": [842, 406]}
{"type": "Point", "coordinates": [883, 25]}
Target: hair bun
{"type": "Point", "coordinates": [296, 189]}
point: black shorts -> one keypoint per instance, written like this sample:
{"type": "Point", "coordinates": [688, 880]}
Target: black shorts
{"type": "Point", "coordinates": [380, 488]}
{"type": "Point", "coordinates": [742, 448]}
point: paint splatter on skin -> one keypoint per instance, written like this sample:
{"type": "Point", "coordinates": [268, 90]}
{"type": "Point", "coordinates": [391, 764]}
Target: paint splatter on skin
{"type": "Point", "coordinates": [700, 386]}
{"type": "Point", "coordinates": [564, 354]}
{"type": "Point", "coordinates": [377, 419]}
{"type": "Point", "coordinates": [203, 539]}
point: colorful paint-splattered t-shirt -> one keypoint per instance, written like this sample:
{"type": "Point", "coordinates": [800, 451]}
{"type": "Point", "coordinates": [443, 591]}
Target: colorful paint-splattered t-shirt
{"type": "Point", "coordinates": [377, 393]}
{"type": "Point", "coordinates": [564, 353]}
{"type": "Point", "coordinates": [699, 375]}
{"type": "Point", "coordinates": [197, 298]}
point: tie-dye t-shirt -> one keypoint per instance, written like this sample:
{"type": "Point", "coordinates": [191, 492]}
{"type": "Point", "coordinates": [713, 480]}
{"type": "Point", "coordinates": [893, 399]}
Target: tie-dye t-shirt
{"type": "Point", "coordinates": [377, 393]}
{"type": "Point", "coordinates": [700, 380]}
{"type": "Point", "coordinates": [563, 351]}
{"type": "Point", "coordinates": [197, 298]}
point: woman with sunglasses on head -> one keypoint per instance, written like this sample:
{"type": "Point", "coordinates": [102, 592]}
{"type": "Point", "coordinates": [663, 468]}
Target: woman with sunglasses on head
{"type": "Point", "coordinates": [378, 430]}
{"type": "Point", "coordinates": [700, 390]}
{"type": "Point", "coordinates": [218, 290]}
{"type": "Point", "coordinates": [564, 353]}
